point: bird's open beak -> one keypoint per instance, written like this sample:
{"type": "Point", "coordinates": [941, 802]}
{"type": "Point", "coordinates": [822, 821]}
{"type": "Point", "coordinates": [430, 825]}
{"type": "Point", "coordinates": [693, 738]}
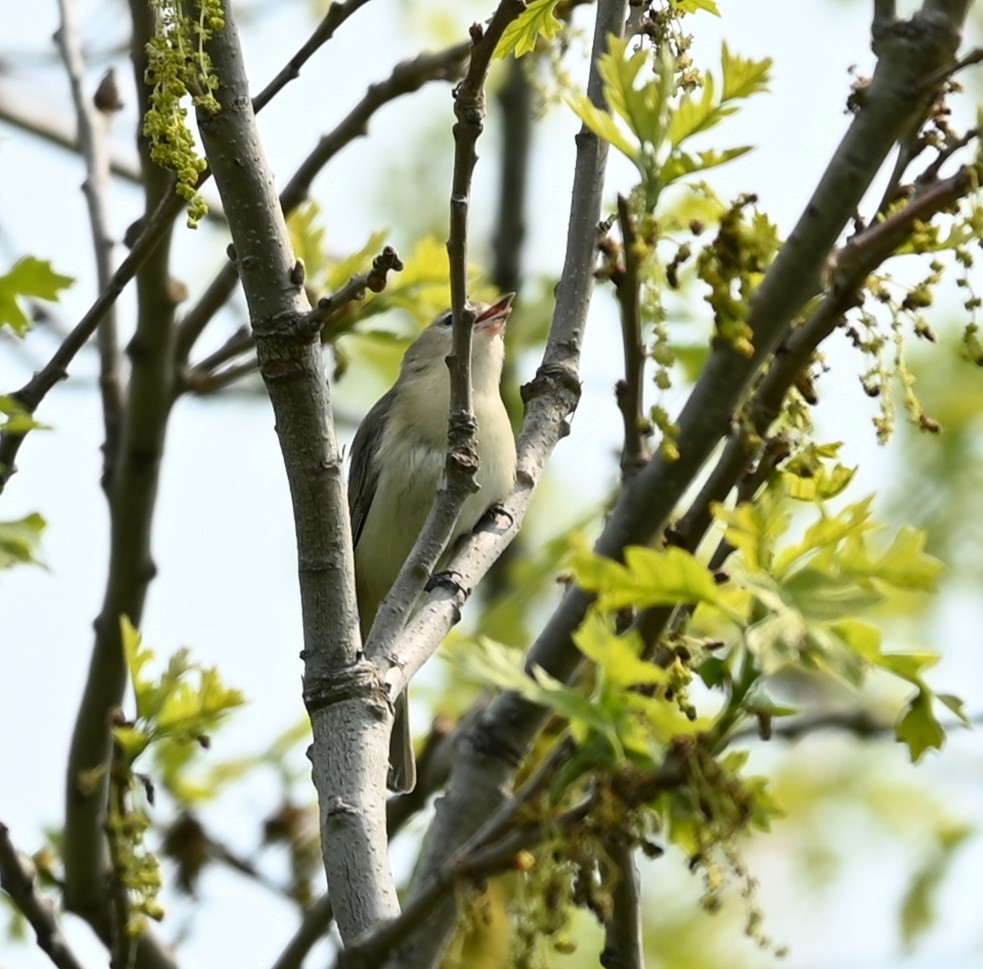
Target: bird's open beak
{"type": "Point", "coordinates": [494, 317]}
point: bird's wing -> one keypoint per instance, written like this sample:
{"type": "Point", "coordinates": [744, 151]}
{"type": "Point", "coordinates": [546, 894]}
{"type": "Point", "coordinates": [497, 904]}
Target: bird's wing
{"type": "Point", "coordinates": [363, 475]}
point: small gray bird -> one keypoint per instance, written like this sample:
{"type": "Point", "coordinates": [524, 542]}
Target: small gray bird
{"type": "Point", "coordinates": [397, 462]}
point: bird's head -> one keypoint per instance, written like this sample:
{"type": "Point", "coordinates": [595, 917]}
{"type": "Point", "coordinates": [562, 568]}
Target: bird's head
{"type": "Point", "coordinates": [427, 355]}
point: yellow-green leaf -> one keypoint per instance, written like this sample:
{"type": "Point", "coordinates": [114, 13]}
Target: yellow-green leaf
{"type": "Point", "coordinates": [648, 578]}
{"type": "Point", "coordinates": [19, 541]}
{"type": "Point", "coordinates": [692, 6]}
{"type": "Point", "coordinates": [919, 728]}
{"type": "Point", "coordinates": [618, 656]}
{"type": "Point", "coordinates": [604, 126]}
{"type": "Point", "coordinates": [742, 76]}
{"type": "Point", "coordinates": [695, 114]}
{"type": "Point", "coordinates": [29, 277]}
{"type": "Point", "coordinates": [538, 20]}
{"type": "Point", "coordinates": [906, 565]}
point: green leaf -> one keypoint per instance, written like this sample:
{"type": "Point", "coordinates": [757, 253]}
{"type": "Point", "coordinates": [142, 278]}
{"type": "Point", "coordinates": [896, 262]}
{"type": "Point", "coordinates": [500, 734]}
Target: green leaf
{"type": "Point", "coordinates": [695, 114]}
{"type": "Point", "coordinates": [743, 77]}
{"type": "Point", "coordinates": [908, 666]}
{"type": "Point", "coordinates": [648, 578]}
{"type": "Point", "coordinates": [820, 596]}
{"type": "Point", "coordinates": [956, 705]}
{"type": "Point", "coordinates": [692, 6]}
{"type": "Point", "coordinates": [604, 126]}
{"type": "Point", "coordinates": [819, 485]}
{"type": "Point", "coordinates": [15, 419]}
{"type": "Point", "coordinates": [307, 236]}
{"type": "Point", "coordinates": [758, 701]}
{"type": "Point", "coordinates": [861, 637]}
{"type": "Point", "coordinates": [520, 36]}
{"type": "Point", "coordinates": [137, 659]}
{"type": "Point", "coordinates": [753, 529]}
{"type": "Point", "coordinates": [19, 541]}
{"type": "Point", "coordinates": [642, 108]}
{"type": "Point", "coordinates": [827, 532]}
{"type": "Point", "coordinates": [28, 277]}
{"type": "Point", "coordinates": [918, 911]}
{"type": "Point", "coordinates": [618, 656]}
{"type": "Point", "coordinates": [664, 721]}
{"type": "Point", "coordinates": [680, 163]}
{"type": "Point", "coordinates": [919, 728]}
{"type": "Point", "coordinates": [905, 565]}
{"type": "Point", "coordinates": [172, 708]}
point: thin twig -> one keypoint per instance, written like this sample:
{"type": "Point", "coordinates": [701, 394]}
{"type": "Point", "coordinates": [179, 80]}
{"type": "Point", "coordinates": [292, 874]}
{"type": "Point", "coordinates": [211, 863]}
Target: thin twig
{"type": "Point", "coordinates": [515, 101]}
{"type": "Point", "coordinates": [516, 113]}
{"type": "Point", "coordinates": [93, 132]}
{"type": "Point", "coordinates": [354, 290]}
{"type": "Point", "coordinates": [19, 881]}
{"type": "Point", "coordinates": [630, 389]}
{"type": "Point", "coordinates": [859, 723]}
{"type": "Point", "coordinates": [206, 377]}
{"type": "Point", "coordinates": [337, 14]}
{"type": "Point", "coordinates": [34, 391]}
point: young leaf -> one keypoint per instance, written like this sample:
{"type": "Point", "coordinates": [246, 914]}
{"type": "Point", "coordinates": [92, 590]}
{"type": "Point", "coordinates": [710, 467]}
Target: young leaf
{"type": "Point", "coordinates": [604, 126]}
{"type": "Point", "coordinates": [28, 277]}
{"type": "Point", "coordinates": [692, 6]}
{"type": "Point", "coordinates": [15, 419]}
{"type": "Point", "coordinates": [742, 76]}
{"type": "Point", "coordinates": [648, 578]}
{"type": "Point", "coordinates": [919, 728]}
{"type": "Point", "coordinates": [538, 20]}
{"type": "Point", "coordinates": [19, 541]}
{"type": "Point", "coordinates": [642, 108]}
{"type": "Point", "coordinates": [617, 656]}
{"type": "Point", "coordinates": [956, 706]}
{"type": "Point", "coordinates": [694, 114]}
{"type": "Point", "coordinates": [680, 163]}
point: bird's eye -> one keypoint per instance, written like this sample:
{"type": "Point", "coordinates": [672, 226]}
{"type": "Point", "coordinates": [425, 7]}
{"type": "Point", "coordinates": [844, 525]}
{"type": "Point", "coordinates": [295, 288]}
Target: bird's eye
{"type": "Point", "coordinates": [446, 319]}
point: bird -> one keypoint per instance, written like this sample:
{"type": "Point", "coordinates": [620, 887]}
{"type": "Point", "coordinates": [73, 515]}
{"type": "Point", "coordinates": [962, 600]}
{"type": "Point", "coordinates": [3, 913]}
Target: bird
{"type": "Point", "coordinates": [397, 461]}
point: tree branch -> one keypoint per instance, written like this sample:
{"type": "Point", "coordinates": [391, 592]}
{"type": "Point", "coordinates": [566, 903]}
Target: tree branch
{"type": "Point", "coordinates": [353, 291]}
{"type": "Point", "coordinates": [343, 695]}
{"type": "Point", "coordinates": [18, 880]}
{"type": "Point", "coordinates": [157, 227]}
{"type": "Point", "coordinates": [515, 105]}
{"type": "Point", "coordinates": [313, 927]}
{"type": "Point", "coordinates": [93, 131]}
{"type": "Point", "coordinates": [132, 494]}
